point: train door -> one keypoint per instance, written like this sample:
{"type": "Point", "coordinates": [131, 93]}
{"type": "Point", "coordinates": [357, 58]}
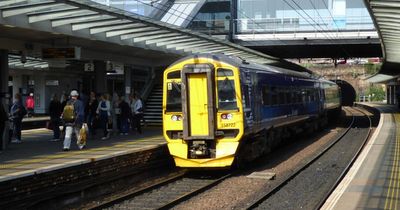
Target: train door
{"type": "Point", "coordinates": [198, 104]}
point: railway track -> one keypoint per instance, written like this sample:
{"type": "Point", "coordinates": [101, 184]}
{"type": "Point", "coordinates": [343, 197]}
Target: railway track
{"type": "Point", "coordinates": [166, 193]}
{"type": "Point", "coordinates": [271, 196]}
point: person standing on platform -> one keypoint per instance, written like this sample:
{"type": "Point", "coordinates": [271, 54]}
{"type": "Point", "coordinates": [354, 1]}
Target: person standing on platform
{"type": "Point", "coordinates": [17, 112]}
{"type": "Point", "coordinates": [115, 113]}
{"type": "Point", "coordinates": [30, 105]}
{"type": "Point", "coordinates": [73, 115]}
{"type": "Point", "coordinates": [90, 111]}
{"type": "Point", "coordinates": [124, 116]}
{"type": "Point", "coordinates": [3, 120]}
{"type": "Point", "coordinates": [55, 111]}
{"type": "Point", "coordinates": [104, 113]}
{"type": "Point", "coordinates": [132, 106]}
{"type": "Point", "coordinates": [138, 113]}
{"type": "Point", "coordinates": [64, 100]}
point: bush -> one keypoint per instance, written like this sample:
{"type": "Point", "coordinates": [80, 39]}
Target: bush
{"type": "Point", "coordinates": [371, 68]}
{"type": "Point", "coordinates": [376, 92]}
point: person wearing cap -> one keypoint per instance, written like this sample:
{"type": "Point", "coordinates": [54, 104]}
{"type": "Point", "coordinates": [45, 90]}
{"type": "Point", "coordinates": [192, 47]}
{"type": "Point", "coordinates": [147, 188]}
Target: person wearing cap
{"type": "Point", "coordinates": [30, 105]}
{"type": "Point", "coordinates": [73, 124]}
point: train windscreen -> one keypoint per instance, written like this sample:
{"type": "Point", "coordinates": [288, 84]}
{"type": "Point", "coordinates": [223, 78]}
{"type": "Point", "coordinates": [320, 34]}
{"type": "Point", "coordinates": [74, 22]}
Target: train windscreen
{"type": "Point", "coordinates": [226, 95]}
{"type": "Point", "coordinates": [174, 100]}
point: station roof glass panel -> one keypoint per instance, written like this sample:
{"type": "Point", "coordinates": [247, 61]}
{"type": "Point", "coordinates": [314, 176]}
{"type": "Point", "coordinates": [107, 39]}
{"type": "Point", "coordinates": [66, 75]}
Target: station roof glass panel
{"type": "Point", "coordinates": [386, 14]}
{"type": "Point", "coordinates": [91, 20]}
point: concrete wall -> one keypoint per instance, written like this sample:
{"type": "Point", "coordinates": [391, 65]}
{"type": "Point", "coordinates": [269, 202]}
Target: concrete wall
{"type": "Point", "coordinates": [43, 92]}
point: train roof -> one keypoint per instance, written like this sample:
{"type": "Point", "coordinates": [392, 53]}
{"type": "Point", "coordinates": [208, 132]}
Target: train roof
{"type": "Point", "coordinates": [278, 65]}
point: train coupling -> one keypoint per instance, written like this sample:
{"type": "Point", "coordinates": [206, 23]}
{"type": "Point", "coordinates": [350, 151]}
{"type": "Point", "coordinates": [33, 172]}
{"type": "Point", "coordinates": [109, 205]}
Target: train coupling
{"type": "Point", "coordinates": [201, 149]}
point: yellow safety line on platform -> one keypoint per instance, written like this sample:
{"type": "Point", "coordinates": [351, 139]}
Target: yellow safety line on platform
{"type": "Point", "coordinates": [394, 184]}
{"type": "Point", "coordinates": [43, 158]}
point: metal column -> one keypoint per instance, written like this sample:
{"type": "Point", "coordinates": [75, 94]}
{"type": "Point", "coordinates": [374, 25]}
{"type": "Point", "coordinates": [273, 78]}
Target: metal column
{"type": "Point", "coordinates": [128, 83]}
{"type": "Point", "coordinates": [4, 94]}
{"type": "Point", "coordinates": [100, 77]}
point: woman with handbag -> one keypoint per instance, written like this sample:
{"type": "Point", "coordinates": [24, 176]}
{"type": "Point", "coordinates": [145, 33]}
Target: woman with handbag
{"type": "Point", "coordinates": [55, 111]}
{"type": "Point", "coordinates": [104, 113]}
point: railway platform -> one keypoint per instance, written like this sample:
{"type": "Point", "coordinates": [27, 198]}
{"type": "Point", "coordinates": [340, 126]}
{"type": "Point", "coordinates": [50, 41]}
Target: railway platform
{"type": "Point", "coordinates": [373, 180]}
{"type": "Point", "coordinates": [34, 122]}
{"type": "Point", "coordinates": [39, 168]}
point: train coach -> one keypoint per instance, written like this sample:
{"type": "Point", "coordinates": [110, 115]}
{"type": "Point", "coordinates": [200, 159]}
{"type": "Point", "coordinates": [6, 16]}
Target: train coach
{"type": "Point", "coordinates": [220, 110]}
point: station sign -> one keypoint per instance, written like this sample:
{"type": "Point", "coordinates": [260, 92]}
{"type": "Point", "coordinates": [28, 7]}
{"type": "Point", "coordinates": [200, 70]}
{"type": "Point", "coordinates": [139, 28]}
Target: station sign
{"type": "Point", "coordinates": [114, 68]}
{"type": "Point", "coordinates": [89, 67]}
{"type": "Point", "coordinates": [52, 83]}
{"type": "Point", "coordinates": [68, 53]}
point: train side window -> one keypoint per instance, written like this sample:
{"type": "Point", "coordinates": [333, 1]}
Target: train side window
{"type": "Point", "coordinates": [288, 96]}
{"type": "Point", "coordinates": [282, 96]}
{"type": "Point", "coordinates": [174, 75]}
{"type": "Point", "coordinates": [303, 95]}
{"type": "Point", "coordinates": [266, 96]}
{"type": "Point", "coordinates": [246, 96]}
{"type": "Point", "coordinates": [174, 99]}
{"type": "Point", "coordinates": [226, 95]}
{"type": "Point", "coordinates": [298, 94]}
{"type": "Point", "coordinates": [274, 96]}
{"type": "Point", "coordinates": [224, 72]}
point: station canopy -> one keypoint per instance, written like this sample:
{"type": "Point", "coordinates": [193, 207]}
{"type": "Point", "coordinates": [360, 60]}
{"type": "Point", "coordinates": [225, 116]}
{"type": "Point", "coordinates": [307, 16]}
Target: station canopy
{"type": "Point", "coordinates": [93, 21]}
{"type": "Point", "coordinates": [386, 14]}
{"type": "Point", "coordinates": [15, 62]}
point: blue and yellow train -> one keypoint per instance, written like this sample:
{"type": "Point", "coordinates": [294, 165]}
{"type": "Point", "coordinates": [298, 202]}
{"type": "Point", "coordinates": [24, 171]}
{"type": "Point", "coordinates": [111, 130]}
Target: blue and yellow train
{"type": "Point", "coordinates": [219, 110]}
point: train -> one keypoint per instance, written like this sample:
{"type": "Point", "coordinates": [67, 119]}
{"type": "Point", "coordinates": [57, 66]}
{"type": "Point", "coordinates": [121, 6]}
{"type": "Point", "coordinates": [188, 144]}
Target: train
{"type": "Point", "coordinates": [221, 111]}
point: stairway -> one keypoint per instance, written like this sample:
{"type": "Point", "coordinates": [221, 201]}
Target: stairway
{"type": "Point", "coordinates": [153, 107]}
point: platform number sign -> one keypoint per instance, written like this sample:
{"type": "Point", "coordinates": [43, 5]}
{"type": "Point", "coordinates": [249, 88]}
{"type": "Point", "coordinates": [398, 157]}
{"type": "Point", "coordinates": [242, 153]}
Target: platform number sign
{"type": "Point", "coordinates": [89, 67]}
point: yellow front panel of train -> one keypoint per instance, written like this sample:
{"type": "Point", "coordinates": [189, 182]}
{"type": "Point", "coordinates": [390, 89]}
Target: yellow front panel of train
{"type": "Point", "coordinates": [198, 111]}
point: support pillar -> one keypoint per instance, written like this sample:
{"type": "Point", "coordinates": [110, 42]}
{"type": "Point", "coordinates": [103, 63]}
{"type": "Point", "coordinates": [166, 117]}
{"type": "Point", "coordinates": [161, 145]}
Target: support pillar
{"type": "Point", "coordinates": [128, 83]}
{"type": "Point", "coordinates": [4, 73]}
{"type": "Point", "coordinates": [394, 94]}
{"type": "Point", "coordinates": [100, 79]}
{"type": "Point", "coordinates": [391, 95]}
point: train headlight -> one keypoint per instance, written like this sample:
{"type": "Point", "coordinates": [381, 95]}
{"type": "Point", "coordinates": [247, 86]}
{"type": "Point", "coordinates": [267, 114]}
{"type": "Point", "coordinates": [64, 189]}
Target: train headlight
{"type": "Point", "coordinates": [176, 117]}
{"type": "Point", "coordinates": [227, 116]}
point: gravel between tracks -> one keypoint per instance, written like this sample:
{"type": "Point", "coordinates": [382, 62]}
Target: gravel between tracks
{"type": "Point", "coordinates": [309, 187]}
{"type": "Point", "coordinates": [236, 192]}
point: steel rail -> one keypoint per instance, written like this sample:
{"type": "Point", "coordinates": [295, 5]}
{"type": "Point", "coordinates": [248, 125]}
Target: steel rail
{"type": "Point", "coordinates": [140, 191]}
{"type": "Point", "coordinates": [191, 193]}
{"type": "Point", "coordinates": [298, 171]}
{"type": "Point", "coordinates": [194, 193]}
{"type": "Point", "coordinates": [351, 163]}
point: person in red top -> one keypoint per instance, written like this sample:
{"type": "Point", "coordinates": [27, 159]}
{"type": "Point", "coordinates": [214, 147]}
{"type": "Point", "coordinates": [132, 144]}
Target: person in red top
{"type": "Point", "coordinates": [30, 105]}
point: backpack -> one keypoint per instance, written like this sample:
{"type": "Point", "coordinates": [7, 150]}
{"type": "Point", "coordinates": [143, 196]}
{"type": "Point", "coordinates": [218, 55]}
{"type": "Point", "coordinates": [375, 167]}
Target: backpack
{"type": "Point", "coordinates": [69, 112]}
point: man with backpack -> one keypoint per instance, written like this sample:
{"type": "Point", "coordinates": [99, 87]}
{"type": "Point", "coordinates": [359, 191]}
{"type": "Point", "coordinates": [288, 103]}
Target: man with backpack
{"type": "Point", "coordinates": [17, 112]}
{"type": "Point", "coordinates": [73, 117]}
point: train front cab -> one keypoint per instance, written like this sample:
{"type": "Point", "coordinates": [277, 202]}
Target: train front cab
{"type": "Point", "coordinates": [202, 113]}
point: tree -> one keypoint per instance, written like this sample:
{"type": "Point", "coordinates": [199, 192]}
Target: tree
{"type": "Point", "coordinates": [376, 93]}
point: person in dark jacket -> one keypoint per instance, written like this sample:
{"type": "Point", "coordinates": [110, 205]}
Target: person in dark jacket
{"type": "Point", "coordinates": [124, 116]}
{"type": "Point", "coordinates": [55, 111]}
{"type": "Point", "coordinates": [17, 112]}
{"type": "Point", "coordinates": [90, 111]}
{"type": "Point", "coordinates": [3, 119]}
{"type": "Point", "coordinates": [64, 100]}
{"type": "Point", "coordinates": [73, 123]}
